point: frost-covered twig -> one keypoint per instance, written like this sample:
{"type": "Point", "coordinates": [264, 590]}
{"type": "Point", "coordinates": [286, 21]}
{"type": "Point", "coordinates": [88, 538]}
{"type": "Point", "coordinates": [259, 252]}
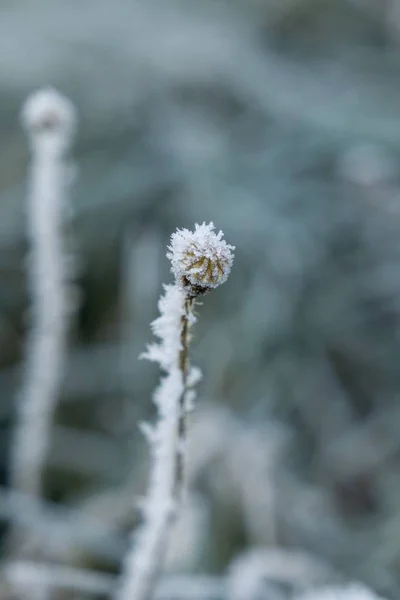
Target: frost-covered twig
{"type": "Point", "coordinates": [49, 119]}
{"type": "Point", "coordinates": [201, 260]}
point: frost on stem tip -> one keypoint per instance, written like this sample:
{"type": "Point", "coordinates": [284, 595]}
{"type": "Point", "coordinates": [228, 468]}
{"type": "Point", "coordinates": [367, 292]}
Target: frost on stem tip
{"type": "Point", "coordinates": [201, 259]}
{"type": "Point", "coordinates": [50, 119]}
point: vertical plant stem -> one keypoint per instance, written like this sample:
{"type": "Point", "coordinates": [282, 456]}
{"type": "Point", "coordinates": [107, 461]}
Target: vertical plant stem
{"type": "Point", "coordinates": [144, 562]}
{"type": "Point", "coordinates": [201, 260]}
{"type": "Point", "coordinates": [49, 119]}
{"type": "Point", "coordinates": [184, 366]}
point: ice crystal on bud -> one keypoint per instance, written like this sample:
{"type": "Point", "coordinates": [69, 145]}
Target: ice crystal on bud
{"type": "Point", "coordinates": [200, 259]}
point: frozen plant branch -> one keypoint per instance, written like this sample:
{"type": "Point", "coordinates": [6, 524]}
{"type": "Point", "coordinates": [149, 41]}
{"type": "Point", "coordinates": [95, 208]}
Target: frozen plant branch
{"type": "Point", "coordinates": [200, 261]}
{"type": "Point", "coordinates": [49, 120]}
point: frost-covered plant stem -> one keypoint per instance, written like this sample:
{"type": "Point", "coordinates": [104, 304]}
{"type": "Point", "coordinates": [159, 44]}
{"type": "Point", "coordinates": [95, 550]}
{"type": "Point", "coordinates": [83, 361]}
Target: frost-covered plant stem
{"type": "Point", "coordinates": [186, 320]}
{"type": "Point", "coordinates": [201, 260]}
{"type": "Point", "coordinates": [49, 120]}
{"type": "Point", "coordinates": [143, 564]}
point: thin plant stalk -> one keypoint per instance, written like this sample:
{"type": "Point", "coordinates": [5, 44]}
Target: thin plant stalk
{"type": "Point", "coordinates": [201, 260]}
{"type": "Point", "coordinates": [49, 120]}
{"type": "Point", "coordinates": [184, 366]}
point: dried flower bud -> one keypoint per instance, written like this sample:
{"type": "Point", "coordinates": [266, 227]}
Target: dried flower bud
{"type": "Point", "coordinates": [200, 260]}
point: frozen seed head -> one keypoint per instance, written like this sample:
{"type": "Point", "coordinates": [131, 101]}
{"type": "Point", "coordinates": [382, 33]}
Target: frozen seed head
{"type": "Point", "coordinates": [50, 118]}
{"type": "Point", "coordinates": [201, 259]}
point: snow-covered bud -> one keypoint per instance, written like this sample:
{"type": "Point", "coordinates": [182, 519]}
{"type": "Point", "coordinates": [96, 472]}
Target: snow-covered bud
{"type": "Point", "coordinates": [200, 260]}
{"type": "Point", "coordinates": [50, 120]}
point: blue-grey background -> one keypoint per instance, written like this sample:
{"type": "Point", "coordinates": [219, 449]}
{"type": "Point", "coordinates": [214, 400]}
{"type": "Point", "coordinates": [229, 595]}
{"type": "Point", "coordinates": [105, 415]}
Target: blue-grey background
{"type": "Point", "coordinates": [279, 120]}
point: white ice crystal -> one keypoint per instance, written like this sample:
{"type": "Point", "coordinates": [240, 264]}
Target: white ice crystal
{"type": "Point", "coordinates": [167, 328]}
{"type": "Point", "coordinates": [200, 259]}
